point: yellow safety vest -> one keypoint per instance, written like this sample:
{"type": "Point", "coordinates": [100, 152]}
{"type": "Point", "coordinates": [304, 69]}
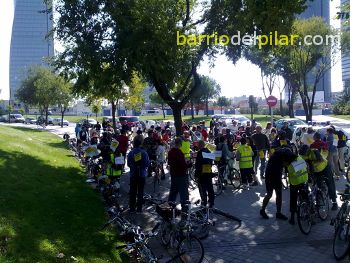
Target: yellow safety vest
{"type": "Point", "coordinates": [297, 172]}
{"type": "Point", "coordinates": [186, 148]}
{"type": "Point", "coordinates": [246, 159]}
{"type": "Point", "coordinates": [113, 172]}
{"type": "Point", "coordinates": [318, 166]}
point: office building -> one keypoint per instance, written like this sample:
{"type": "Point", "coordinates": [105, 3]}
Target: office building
{"type": "Point", "coordinates": [29, 45]}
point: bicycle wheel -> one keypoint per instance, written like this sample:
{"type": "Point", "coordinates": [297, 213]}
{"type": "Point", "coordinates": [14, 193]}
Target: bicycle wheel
{"type": "Point", "coordinates": [234, 176]}
{"type": "Point", "coordinates": [165, 232]}
{"type": "Point", "coordinates": [341, 241]}
{"type": "Point", "coordinates": [217, 184]}
{"type": "Point", "coordinates": [200, 225]}
{"type": "Point", "coordinates": [322, 205]}
{"type": "Point", "coordinates": [304, 218]}
{"type": "Point", "coordinates": [192, 248]}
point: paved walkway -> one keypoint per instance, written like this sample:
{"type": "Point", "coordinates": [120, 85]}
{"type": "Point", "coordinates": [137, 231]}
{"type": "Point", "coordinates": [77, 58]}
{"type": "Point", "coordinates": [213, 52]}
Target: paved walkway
{"type": "Point", "coordinates": [256, 240]}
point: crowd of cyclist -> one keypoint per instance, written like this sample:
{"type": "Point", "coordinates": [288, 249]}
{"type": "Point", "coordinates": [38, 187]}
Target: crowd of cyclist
{"type": "Point", "coordinates": [254, 148]}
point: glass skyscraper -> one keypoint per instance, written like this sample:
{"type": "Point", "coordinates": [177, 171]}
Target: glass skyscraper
{"type": "Point", "coordinates": [321, 8]}
{"type": "Point", "coordinates": [29, 45]}
{"type": "Point", "coordinates": [345, 61]}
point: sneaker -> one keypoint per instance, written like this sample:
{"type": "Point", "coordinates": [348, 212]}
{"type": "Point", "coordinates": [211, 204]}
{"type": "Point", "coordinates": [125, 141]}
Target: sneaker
{"type": "Point", "coordinates": [255, 183]}
{"type": "Point", "coordinates": [281, 216]}
{"type": "Point", "coordinates": [263, 214]}
{"type": "Point", "coordinates": [335, 206]}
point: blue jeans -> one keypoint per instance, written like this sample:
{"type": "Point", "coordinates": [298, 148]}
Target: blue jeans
{"type": "Point", "coordinates": [179, 185]}
{"type": "Point", "coordinates": [262, 165]}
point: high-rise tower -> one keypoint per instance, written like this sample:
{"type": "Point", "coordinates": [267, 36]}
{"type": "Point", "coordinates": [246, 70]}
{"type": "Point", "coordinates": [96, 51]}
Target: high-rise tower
{"type": "Point", "coordinates": [29, 45]}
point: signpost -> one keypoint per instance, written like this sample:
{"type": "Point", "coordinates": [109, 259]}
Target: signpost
{"type": "Point", "coordinates": [272, 102]}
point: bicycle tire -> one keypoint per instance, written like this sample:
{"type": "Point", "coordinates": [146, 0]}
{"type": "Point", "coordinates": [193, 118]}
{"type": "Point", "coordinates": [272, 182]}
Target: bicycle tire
{"type": "Point", "coordinates": [200, 226]}
{"type": "Point", "coordinates": [341, 240]}
{"type": "Point", "coordinates": [322, 205]}
{"type": "Point", "coordinates": [235, 178]}
{"type": "Point", "coordinates": [193, 248]}
{"type": "Point", "coordinates": [165, 233]}
{"type": "Point", "coordinates": [304, 218]}
{"type": "Point", "coordinates": [217, 184]}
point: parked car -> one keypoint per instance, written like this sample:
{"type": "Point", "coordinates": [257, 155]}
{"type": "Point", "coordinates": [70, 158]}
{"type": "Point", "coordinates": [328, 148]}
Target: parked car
{"type": "Point", "coordinates": [30, 120]}
{"type": "Point", "coordinates": [131, 120]}
{"type": "Point", "coordinates": [149, 123]}
{"type": "Point", "coordinates": [57, 121]}
{"type": "Point", "coordinates": [89, 123]}
{"type": "Point", "coordinates": [292, 123]}
{"type": "Point", "coordinates": [15, 117]}
{"type": "Point", "coordinates": [41, 119]}
{"type": "Point", "coordinates": [3, 118]}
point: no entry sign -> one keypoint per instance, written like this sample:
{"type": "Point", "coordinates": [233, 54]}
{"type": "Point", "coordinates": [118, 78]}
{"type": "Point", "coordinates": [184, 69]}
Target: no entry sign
{"type": "Point", "coordinates": [271, 101]}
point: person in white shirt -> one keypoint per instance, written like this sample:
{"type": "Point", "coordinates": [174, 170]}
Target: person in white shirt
{"type": "Point", "coordinates": [267, 130]}
{"type": "Point", "coordinates": [307, 138]}
{"type": "Point", "coordinates": [160, 153]}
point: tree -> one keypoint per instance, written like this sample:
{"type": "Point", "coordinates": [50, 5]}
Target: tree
{"type": "Point", "coordinates": [141, 35]}
{"type": "Point", "coordinates": [64, 95]}
{"type": "Point", "coordinates": [223, 102]}
{"type": "Point", "coordinates": [309, 63]}
{"type": "Point", "coordinates": [40, 88]}
{"type": "Point", "coordinates": [134, 99]}
{"type": "Point", "coordinates": [96, 107]}
{"type": "Point", "coordinates": [156, 99]}
{"type": "Point", "coordinates": [209, 90]}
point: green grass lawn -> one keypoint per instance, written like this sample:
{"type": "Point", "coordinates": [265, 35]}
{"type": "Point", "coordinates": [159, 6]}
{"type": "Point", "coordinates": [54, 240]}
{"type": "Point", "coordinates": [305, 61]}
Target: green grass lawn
{"type": "Point", "coordinates": [45, 206]}
{"type": "Point", "coordinates": [344, 117]}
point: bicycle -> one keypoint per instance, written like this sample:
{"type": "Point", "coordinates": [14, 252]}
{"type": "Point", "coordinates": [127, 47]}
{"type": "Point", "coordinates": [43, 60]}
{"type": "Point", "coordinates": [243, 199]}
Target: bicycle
{"type": "Point", "coordinates": [179, 235]}
{"type": "Point", "coordinates": [156, 167]}
{"type": "Point", "coordinates": [310, 204]}
{"type": "Point", "coordinates": [201, 219]}
{"type": "Point", "coordinates": [139, 244]}
{"type": "Point", "coordinates": [341, 223]}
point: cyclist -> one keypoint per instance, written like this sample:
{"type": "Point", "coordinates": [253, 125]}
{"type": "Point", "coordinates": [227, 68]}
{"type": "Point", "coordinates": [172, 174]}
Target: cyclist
{"type": "Point", "coordinates": [203, 173]}
{"type": "Point", "coordinates": [273, 180]}
{"type": "Point", "coordinates": [150, 146]}
{"type": "Point", "coordinates": [262, 144]}
{"type": "Point", "coordinates": [245, 157]}
{"type": "Point", "coordinates": [298, 177]}
{"type": "Point", "coordinates": [333, 158]}
{"type": "Point", "coordinates": [222, 147]}
{"type": "Point", "coordinates": [178, 172]}
{"type": "Point", "coordinates": [138, 162]}
{"type": "Point", "coordinates": [321, 170]}
{"type": "Point", "coordinates": [123, 143]}
{"type": "Point", "coordinates": [341, 148]}
{"type": "Point", "coordinates": [160, 153]}
{"type": "Point", "coordinates": [114, 166]}
{"type": "Point", "coordinates": [186, 145]}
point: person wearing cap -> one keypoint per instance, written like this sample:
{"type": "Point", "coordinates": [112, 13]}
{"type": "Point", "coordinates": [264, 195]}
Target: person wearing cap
{"type": "Point", "coordinates": [287, 130]}
{"type": "Point", "coordinates": [178, 174]}
{"type": "Point", "coordinates": [333, 158]}
{"type": "Point", "coordinates": [204, 176]}
{"type": "Point", "coordinates": [273, 180]}
{"type": "Point", "coordinates": [321, 170]}
{"type": "Point", "coordinates": [138, 162]}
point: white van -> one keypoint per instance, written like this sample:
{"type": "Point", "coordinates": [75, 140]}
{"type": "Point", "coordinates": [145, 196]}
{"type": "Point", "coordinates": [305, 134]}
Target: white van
{"type": "Point", "coordinates": [151, 112]}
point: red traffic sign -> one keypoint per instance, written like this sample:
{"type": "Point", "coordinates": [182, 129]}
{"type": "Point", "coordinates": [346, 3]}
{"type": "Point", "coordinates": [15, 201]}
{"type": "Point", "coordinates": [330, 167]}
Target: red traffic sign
{"type": "Point", "coordinates": [271, 101]}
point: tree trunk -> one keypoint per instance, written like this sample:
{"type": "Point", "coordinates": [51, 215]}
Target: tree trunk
{"type": "Point", "coordinates": [177, 118]}
{"type": "Point", "coordinates": [192, 110]}
{"type": "Point", "coordinates": [207, 107]}
{"type": "Point", "coordinates": [114, 108]}
{"type": "Point", "coordinates": [46, 114]}
{"type": "Point", "coordinates": [281, 106]}
{"type": "Point", "coordinates": [163, 110]}
{"type": "Point", "coordinates": [62, 116]}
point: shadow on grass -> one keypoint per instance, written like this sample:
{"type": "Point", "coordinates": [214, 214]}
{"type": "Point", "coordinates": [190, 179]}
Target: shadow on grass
{"type": "Point", "coordinates": [61, 145]}
{"type": "Point", "coordinates": [51, 211]}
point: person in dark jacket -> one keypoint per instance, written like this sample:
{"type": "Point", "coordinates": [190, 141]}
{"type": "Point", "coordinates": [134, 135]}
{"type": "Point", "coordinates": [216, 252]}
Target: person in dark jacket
{"type": "Point", "coordinates": [178, 174]}
{"type": "Point", "coordinates": [273, 180]}
{"type": "Point", "coordinates": [287, 130]}
{"type": "Point", "coordinates": [262, 144]}
{"type": "Point", "coordinates": [204, 175]}
{"type": "Point", "coordinates": [138, 162]}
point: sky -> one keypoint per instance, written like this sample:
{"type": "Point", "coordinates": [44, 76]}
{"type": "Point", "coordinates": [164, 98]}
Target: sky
{"type": "Point", "coordinates": [243, 78]}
